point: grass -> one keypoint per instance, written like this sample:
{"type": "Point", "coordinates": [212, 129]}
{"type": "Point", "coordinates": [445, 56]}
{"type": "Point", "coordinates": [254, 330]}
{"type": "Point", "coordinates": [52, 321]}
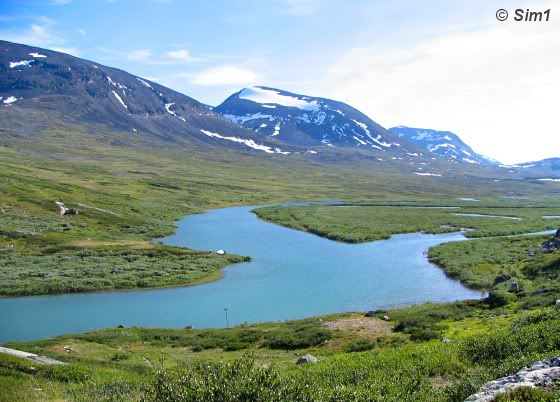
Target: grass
{"type": "Point", "coordinates": [149, 364]}
{"type": "Point", "coordinates": [366, 223]}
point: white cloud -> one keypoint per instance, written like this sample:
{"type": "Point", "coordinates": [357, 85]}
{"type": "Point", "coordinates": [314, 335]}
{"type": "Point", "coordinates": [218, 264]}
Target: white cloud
{"type": "Point", "coordinates": [223, 75]}
{"type": "Point", "coordinates": [181, 54]}
{"type": "Point", "coordinates": [141, 54]}
{"type": "Point", "coordinates": [41, 34]}
{"type": "Point", "coordinates": [497, 87]}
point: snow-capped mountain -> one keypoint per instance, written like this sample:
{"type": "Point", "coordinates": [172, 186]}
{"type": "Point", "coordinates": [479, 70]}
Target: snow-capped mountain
{"type": "Point", "coordinates": [442, 143]}
{"type": "Point", "coordinates": [305, 120]}
{"type": "Point", "coordinates": [38, 86]}
{"type": "Point", "coordinates": [546, 169]}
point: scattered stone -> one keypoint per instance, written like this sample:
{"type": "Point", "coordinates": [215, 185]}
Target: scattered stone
{"type": "Point", "coordinates": [306, 359]}
{"type": "Point", "coordinates": [514, 287]}
{"type": "Point", "coordinates": [557, 304]}
{"type": "Point", "coordinates": [501, 278]}
{"type": "Point", "coordinates": [386, 318]}
{"type": "Point", "coordinates": [220, 252]}
{"type": "Point", "coordinates": [543, 373]}
{"type": "Point", "coordinates": [551, 245]}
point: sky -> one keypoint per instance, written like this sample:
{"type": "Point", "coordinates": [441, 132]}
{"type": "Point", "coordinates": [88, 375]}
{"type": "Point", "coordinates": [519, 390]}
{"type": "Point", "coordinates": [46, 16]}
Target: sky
{"type": "Point", "coordinates": [446, 65]}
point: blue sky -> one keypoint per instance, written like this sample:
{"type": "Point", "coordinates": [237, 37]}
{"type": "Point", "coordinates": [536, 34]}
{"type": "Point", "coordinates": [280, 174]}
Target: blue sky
{"type": "Point", "coordinates": [439, 64]}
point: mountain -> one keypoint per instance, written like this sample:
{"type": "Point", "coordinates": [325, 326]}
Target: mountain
{"type": "Point", "coordinates": [444, 144]}
{"type": "Point", "coordinates": [546, 169]}
{"type": "Point", "coordinates": [306, 120]}
{"type": "Point", "coordinates": [39, 86]}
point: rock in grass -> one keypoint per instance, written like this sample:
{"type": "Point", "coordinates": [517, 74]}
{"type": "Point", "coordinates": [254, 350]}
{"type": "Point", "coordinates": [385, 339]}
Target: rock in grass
{"type": "Point", "coordinates": [543, 373]}
{"type": "Point", "coordinates": [557, 304]}
{"type": "Point", "coordinates": [514, 287]}
{"type": "Point", "coordinates": [306, 359]}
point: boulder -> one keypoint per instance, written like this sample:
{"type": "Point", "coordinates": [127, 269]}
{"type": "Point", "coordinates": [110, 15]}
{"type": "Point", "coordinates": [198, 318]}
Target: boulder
{"type": "Point", "coordinates": [543, 373]}
{"type": "Point", "coordinates": [306, 359]}
{"type": "Point", "coordinates": [557, 304]}
{"type": "Point", "coordinates": [386, 318]}
{"type": "Point", "coordinates": [501, 278]}
{"type": "Point", "coordinates": [551, 245]}
{"type": "Point", "coordinates": [514, 287]}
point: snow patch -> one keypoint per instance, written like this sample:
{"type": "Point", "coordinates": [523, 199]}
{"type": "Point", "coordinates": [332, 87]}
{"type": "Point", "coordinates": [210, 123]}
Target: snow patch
{"type": "Point", "coordinates": [10, 99]}
{"type": "Point", "coordinates": [427, 174]}
{"type": "Point", "coordinates": [113, 83]}
{"type": "Point", "coordinates": [168, 108]}
{"type": "Point", "coordinates": [269, 106]}
{"type": "Point", "coordinates": [37, 55]}
{"type": "Point", "coordinates": [144, 82]}
{"type": "Point", "coordinates": [537, 179]}
{"type": "Point", "coordinates": [14, 64]}
{"type": "Point", "coordinates": [260, 95]}
{"type": "Point", "coordinates": [119, 99]}
{"type": "Point", "coordinates": [276, 130]}
{"type": "Point", "coordinates": [249, 143]}
{"type": "Point", "coordinates": [243, 119]}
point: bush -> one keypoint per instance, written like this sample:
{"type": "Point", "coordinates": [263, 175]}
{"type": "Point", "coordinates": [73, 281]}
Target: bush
{"type": "Point", "coordinates": [424, 335]}
{"type": "Point", "coordinates": [499, 298]}
{"type": "Point", "coordinates": [526, 394]}
{"type": "Point", "coordinates": [300, 338]}
{"type": "Point", "coordinates": [362, 345]}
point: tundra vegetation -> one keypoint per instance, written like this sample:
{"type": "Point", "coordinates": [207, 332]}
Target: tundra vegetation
{"type": "Point", "coordinates": [435, 352]}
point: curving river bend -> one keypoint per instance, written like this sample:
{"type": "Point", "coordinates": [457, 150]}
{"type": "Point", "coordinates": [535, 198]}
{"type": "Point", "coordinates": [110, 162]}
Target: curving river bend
{"type": "Point", "coordinates": [293, 275]}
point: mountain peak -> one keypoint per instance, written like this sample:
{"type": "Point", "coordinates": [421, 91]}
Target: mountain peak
{"type": "Point", "coordinates": [442, 143]}
{"type": "Point", "coordinates": [305, 120]}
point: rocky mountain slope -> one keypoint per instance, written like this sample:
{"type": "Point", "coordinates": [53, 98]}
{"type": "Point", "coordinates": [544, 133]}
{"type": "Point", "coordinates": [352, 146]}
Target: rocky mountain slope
{"type": "Point", "coordinates": [444, 144]}
{"type": "Point", "coordinates": [38, 86]}
{"type": "Point", "coordinates": [306, 120]}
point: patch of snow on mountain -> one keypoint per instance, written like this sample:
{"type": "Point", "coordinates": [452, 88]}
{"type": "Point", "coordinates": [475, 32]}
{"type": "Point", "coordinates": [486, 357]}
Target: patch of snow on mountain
{"type": "Point", "coordinates": [94, 66]}
{"type": "Point", "coordinates": [243, 119]}
{"type": "Point", "coordinates": [276, 130]}
{"type": "Point", "coordinates": [249, 143]}
{"type": "Point", "coordinates": [111, 81]}
{"type": "Point", "coordinates": [260, 95]}
{"type": "Point", "coordinates": [263, 125]}
{"type": "Point", "coordinates": [10, 99]}
{"type": "Point", "coordinates": [144, 82]}
{"type": "Point", "coordinates": [269, 106]}
{"type": "Point", "coordinates": [319, 118]}
{"type": "Point", "coordinates": [14, 64]}
{"type": "Point", "coordinates": [168, 108]}
{"type": "Point", "coordinates": [471, 161]}
{"type": "Point", "coordinates": [360, 141]}
{"type": "Point", "coordinates": [119, 99]}
{"type": "Point", "coordinates": [37, 55]}
{"type": "Point", "coordinates": [427, 174]}
{"type": "Point", "coordinates": [548, 179]}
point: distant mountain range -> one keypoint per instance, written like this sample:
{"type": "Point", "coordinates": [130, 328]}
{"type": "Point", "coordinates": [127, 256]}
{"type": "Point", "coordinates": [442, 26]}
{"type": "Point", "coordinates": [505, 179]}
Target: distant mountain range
{"type": "Point", "coordinates": [39, 88]}
{"type": "Point", "coordinates": [444, 144]}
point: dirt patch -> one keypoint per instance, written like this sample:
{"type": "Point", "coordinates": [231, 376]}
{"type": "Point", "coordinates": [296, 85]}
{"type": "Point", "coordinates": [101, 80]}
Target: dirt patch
{"type": "Point", "coordinates": [364, 326]}
{"type": "Point", "coordinates": [137, 244]}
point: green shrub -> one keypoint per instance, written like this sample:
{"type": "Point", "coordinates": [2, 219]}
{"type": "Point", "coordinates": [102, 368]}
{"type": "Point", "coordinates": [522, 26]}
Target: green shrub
{"type": "Point", "coordinates": [527, 394]}
{"type": "Point", "coordinates": [362, 345]}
